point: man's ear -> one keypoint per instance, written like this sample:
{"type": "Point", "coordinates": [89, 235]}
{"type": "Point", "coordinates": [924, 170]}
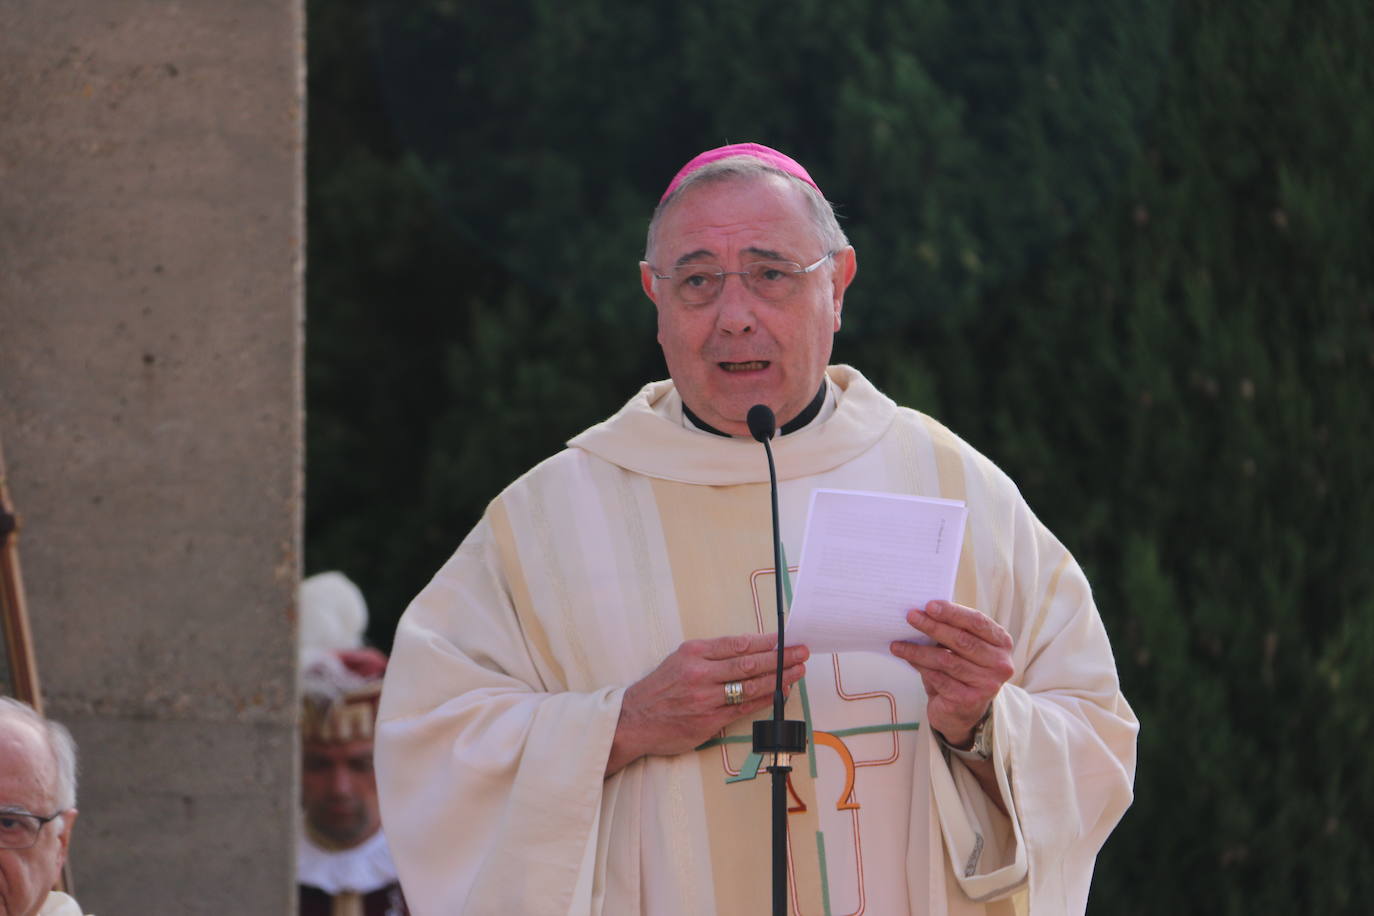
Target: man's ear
{"type": "Point", "coordinates": [65, 837]}
{"type": "Point", "coordinates": [846, 266]}
{"type": "Point", "coordinates": [646, 280]}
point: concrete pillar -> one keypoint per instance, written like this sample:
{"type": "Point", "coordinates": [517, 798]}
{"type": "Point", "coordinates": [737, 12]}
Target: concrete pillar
{"type": "Point", "coordinates": [151, 255]}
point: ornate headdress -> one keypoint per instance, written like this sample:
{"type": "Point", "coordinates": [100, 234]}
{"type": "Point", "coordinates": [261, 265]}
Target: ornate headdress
{"type": "Point", "coordinates": [341, 679]}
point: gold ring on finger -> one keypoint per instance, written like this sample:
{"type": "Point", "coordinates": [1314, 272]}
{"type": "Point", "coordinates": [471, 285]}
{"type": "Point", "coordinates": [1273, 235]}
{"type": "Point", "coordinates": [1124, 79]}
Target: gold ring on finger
{"type": "Point", "coordinates": [734, 693]}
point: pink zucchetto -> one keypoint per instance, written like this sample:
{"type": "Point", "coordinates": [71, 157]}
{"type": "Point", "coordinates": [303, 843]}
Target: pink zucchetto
{"type": "Point", "coordinates": [753, 150]}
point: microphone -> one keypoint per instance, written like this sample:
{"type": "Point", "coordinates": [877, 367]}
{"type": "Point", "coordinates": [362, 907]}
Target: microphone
{"type": "Point", "coordinates": [761, 422]}
{"type": "Point", "coordinates": [777, 736]}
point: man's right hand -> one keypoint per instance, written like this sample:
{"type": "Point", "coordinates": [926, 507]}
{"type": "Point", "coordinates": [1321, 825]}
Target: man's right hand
{"type": "Point", "coordinates": [681, 703]}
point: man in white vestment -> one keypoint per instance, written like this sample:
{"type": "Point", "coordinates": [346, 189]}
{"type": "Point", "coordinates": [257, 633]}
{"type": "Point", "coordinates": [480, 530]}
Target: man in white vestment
{"type": "Point", "coordinates": [37, 811]}
{"type": "Point", "coordinates": [564, 727]}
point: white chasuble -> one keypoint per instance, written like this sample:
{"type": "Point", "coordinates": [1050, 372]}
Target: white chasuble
{"type": "Point", "coordinates": [505, 682]}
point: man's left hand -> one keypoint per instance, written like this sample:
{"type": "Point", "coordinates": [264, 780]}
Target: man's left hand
{"type": "Point", "coordinates": [963, 671]}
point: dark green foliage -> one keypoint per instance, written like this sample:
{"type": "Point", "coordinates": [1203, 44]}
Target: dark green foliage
{"type": "Point", "coordinates": [1122, 248]}
{"type": "Point", "coordinates": [1183, 391]}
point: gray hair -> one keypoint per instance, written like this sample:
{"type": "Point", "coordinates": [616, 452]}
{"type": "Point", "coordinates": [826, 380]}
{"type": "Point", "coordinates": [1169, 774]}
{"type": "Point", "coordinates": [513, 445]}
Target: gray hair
{"type": "Point", "coordinates": [59, 742]}
{"type": "Point", "coordinates": [821, 211]}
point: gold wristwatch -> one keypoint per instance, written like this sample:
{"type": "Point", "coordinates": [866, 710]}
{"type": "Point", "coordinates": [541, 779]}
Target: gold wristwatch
{"type": "Point", "coordinates": [981, 749]}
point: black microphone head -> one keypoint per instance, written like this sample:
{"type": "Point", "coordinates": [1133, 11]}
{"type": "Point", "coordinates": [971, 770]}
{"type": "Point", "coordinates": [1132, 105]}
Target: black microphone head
{"type": "Point", "coordinates": [761, 422]}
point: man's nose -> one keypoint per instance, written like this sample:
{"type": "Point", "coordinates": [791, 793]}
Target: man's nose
{"type": "Point", "coordinates": [735, 306]}
{"type": "Point", "coordinates": [341, 781]}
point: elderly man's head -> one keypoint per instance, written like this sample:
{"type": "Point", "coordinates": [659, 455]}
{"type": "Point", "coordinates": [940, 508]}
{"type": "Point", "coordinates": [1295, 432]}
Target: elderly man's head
{"type": "Point", "coordinates": [37, 806]}
{"type": "Point", "coordinates": [747, 268]}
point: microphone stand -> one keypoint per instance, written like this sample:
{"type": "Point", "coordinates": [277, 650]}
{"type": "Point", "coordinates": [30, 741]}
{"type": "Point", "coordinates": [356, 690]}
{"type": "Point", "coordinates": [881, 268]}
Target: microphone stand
{"type": "Point", "coordinates": [777, 736]}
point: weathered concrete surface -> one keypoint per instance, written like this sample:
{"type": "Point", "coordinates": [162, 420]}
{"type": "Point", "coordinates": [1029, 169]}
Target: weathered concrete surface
{"type": "Point", "coordinates": [151, 220]}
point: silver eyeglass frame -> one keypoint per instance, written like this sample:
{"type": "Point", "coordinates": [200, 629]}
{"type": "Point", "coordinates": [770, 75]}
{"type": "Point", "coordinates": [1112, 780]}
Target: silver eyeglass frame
{"type": "Point", "coordinates": [745, 274]}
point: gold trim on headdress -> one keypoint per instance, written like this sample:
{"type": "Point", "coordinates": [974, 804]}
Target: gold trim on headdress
{"type": "Point", "coordinates": [351, 717]}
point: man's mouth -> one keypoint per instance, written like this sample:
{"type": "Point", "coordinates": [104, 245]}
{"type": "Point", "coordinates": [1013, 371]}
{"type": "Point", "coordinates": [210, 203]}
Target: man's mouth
{"type": "Point", "coordinates": [752, 366]}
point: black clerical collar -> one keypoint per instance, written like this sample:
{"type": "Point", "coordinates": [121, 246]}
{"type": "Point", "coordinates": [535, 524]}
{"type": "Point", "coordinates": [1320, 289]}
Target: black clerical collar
{"type": "Point", "coordinates": [806, 416]}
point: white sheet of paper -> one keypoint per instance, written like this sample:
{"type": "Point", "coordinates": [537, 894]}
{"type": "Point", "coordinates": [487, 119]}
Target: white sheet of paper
{"type": "Point", "coordinates": [867, 559]}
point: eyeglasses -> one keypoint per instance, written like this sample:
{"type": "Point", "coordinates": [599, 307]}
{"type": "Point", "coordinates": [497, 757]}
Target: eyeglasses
{"type": "Point", "coordinates": [698, 284]}
{"type": "Point", "coordinates": [20, 830]}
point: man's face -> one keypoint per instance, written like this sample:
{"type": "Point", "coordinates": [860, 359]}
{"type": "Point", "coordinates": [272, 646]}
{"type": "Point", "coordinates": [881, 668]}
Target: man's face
{"type": "Point", "coordinates": [339, 792]}
{"type": "Point", "coordinates": [28, 784]}
{"type": "Point", "coordinates": [739, 350]}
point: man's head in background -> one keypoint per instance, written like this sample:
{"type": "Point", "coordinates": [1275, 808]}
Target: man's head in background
{"type": "Point", "coordinates": [338, 787]}
{"type": "Point", "coordinates": [341, 682]}
{"type": "Point", "coordinates": [37, 806]}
